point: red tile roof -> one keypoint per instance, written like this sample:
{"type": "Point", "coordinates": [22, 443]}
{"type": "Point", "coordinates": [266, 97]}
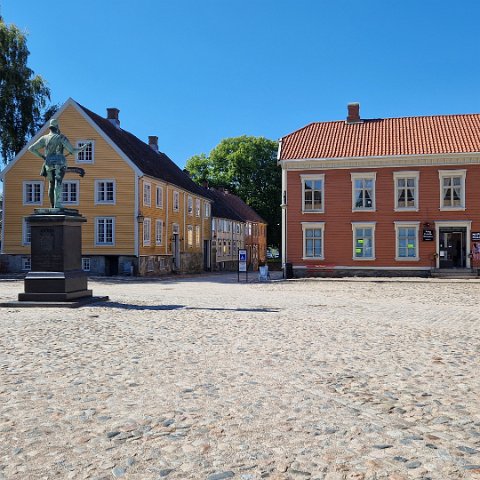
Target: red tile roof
{"type": "Point", "coordinates": [385, 137]}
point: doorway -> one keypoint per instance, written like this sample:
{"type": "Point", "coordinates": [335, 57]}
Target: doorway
{"type": "Point", "coordinates": [176, 252]}
{"type": "Point", "coordinates": [452, 242]}
{"type": "Point", "coordinates": [111, 265]}
{"type": "Point", "coordinates": [206, 255]}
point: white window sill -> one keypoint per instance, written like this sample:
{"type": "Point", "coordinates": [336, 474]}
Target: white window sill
{"type": "Point", "coordinates": [410, 209]}
{"type": "Point", "coordinates": [313, 211]}
{"type": "Point", "coordinates": [407, 259]}
{"type": "Point", "coordinates": [364, 210]}
{"type": "Point", "coordinates": [452, 209]}
{"type": "Point", "coordinates": [313, 258]}
{"type": "Point", "coordinates": [363, 259]}
{"type": "Point", "coordinates": [104, 244]}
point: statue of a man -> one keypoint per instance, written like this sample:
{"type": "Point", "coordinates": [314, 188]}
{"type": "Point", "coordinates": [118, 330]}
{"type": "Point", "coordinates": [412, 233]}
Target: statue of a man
{"type": "Point", "coordinates": [55, 163]}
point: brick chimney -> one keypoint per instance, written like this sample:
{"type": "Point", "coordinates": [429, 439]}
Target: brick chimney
{"type": "Point", "coordinates": [112, 115]}
{"type": "Point", "coordinates": [153, 142]}
{"type": "Point", "coordinates": [353, 113]}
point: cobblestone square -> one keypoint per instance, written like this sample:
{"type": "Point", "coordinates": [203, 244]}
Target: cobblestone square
{"type": "Point", "coordinates": [206, 378]}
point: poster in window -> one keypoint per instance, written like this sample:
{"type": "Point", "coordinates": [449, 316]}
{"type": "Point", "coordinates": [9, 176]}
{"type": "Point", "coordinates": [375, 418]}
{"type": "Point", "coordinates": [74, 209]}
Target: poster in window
{"type": "Point", "coordinates": [476, 250]}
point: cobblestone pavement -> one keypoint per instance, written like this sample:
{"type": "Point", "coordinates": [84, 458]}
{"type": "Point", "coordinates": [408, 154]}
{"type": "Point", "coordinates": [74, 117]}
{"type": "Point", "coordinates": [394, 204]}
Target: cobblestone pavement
{"type": "Point", "coordinates": [208, 379]}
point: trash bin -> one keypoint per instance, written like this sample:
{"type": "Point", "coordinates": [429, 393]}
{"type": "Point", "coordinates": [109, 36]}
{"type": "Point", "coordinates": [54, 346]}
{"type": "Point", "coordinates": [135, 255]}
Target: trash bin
{"type": "Point", "coordinates": [288, 270]}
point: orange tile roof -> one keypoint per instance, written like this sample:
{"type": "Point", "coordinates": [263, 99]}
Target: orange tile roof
{"type": "Point", "coordinates": [385, 137]}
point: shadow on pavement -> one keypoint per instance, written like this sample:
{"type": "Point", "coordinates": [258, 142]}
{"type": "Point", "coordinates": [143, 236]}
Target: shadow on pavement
{"type": "Point", "coordinates": [132, 306]}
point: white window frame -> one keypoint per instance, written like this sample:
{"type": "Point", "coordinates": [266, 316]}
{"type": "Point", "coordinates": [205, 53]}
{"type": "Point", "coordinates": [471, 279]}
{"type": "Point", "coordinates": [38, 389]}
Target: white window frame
{"type": "Point", "coordinates": [190, 205]}
{"type": "Point", "coordinates": [147, 194]}
{"type": "Point", "coordinates": [86, 264]}
{"type": "Point", "coordinates": [176, 201]}
{"type": "Point", "coordinates": [313, 226]}
{"type": "Point", "coordinates": [97, 191]}
{"type": "Point", "coordinates": [104, 244]}
{"type": "Point", "coordinates": [77, 154]}
{"type": "Point", "coordinates": [364, 176]}
{"type": "Point", "coordinates": [442, 174]}
{"type": "Point", "coordinates": [406, 176]}
{"type": "Point", "coordinates": [406, 224]}
{"type": "Point", "coordinates": [26, 264]}
{"type": "Point", "coordinates": [207, 209]}
{"type": "Point", "coordinates": [190, 236]}
{"type": "Point", "coordinates": [77, 186]}
{"type": "Point", "coordinates": [198, 208]}
{"type": "Point", "coordinates": [159, 196]}
{"type": "Point", "coordinates": [26, 233]}
{"type": "Point", "coordinates": [355, 226]}
{"type": "Point", "coordinates": [33, 184]}
{"type": "Point", "coordinates": [147, 232]}
{"type": "Point", "coordinates": [313, 177]}
{"type": "Point", "coordinates": [159, 232]}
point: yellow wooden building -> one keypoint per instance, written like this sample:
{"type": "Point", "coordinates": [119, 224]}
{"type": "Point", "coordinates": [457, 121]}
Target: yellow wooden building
{"type": "Point", "coordinates": [144, 214]}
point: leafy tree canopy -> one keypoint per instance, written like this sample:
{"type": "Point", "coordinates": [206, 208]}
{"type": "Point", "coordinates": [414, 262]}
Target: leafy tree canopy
{"type": "Point", "coordinates": [248, 167]}
{"type": "Point", "coordinates": [23, 95]}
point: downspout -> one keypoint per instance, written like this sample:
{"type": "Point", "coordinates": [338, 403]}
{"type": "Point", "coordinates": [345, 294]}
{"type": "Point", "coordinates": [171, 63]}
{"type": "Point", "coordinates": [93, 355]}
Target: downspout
{"type": "Point", "coordinates": [284, 219]}
{"type": "Point", "coordinates": [166, 220]}
{"type": "Point", "coordinates": [136, 224]}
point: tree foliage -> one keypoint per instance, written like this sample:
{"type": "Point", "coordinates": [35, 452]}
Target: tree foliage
{"type": "Point", "coordinates": [23, 95]}
{"type": "Point", "coordinates": [247, 166]}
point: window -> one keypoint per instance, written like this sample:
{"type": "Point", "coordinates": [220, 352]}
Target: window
{"type": "Point", "coordinates": [207, 209]}
{"type": "Point", "coordinates": [104, 191]}
{"type": "Point", "coordinates": [406, 190]}
{"type": "Point", "coordinates": [363, 191]}
{"type": "Point", "coordinates": [190, 235]}
{"type": "Point", "coordinates": [26, 233]}
{"type": "Point", "coordinates": [147, 194]}
{"type": "Point", "coordinates": [312, 188]}
{"type": "Point", "coordinates": [363, 241]}
{"type": "Point", "coordinates": [70, 192]}
{"type": "Point", "coordinates": [159, 197]}
{"type": "Point", "coordinates": [85, 156]}
{"type": "Point", "coordinates": [237, 228]}
{"type": "Point", "coordinates": [159, 232]}
{"type": "Point", "coordinates": [176, 201]}
{"type": "Point", "coordinates": [105, 231]}
{"type": "Point", "coordinates": [175, 229]}
{"type": "Point", "coordinates": [26, 263]}
{"type": "Point", "coordinates": [452, 189]}
{"type": "Point", "coordinates": [313, 234]}
{"type": "Point", "coordinates": [197, 207]}
{"type": "Point", "coordinates": [197, 235]}
{"type": "Point", "coordinates": [406, 234]}
{"type": "Point", "coordinates": [32, 193]}
{"type": "Point", "coordinates": [150, 264]}
{"type": "Point", "coordinates": [86, 264]}
{"type": "Point", "coordinates": [190, 205]}
{"type": "Point", "coordinates": [147, 227]}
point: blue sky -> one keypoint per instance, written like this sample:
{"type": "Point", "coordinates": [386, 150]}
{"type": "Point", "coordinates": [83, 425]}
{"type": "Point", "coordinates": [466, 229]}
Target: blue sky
{"type": "Point", "coordinates": [196, 71]}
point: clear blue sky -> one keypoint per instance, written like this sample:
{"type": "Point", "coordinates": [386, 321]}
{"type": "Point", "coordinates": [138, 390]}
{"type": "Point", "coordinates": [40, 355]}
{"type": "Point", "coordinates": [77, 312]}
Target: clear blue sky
{"type": "Point", "coordinates": [196, 71]}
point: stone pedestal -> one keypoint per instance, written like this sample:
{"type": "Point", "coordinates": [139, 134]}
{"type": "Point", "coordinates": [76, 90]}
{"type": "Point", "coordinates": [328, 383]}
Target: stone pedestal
{"type": "Point", "coordinates": [56, 274]}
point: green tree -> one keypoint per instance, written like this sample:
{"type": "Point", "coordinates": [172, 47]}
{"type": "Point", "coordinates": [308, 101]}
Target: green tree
{"type": "Point", "coordinates": [248, 167]}
{"type": "Point", "coordinates": [23, 95]}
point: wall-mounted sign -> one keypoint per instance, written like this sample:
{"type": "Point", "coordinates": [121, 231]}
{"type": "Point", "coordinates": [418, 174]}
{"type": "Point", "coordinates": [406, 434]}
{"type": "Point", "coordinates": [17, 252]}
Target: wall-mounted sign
{"type": "Point", "coordinates": [476, 236]}
{"type": "Point", "coordinates": [428, 235]}
{"type": "Point", "coordinates": [242, 260]}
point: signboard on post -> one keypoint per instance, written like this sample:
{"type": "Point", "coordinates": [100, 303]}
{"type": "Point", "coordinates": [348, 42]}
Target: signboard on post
{"type": "Point", "coordinates": [242, 260]}
{"type": "Point", "coordinates": [242, 263]}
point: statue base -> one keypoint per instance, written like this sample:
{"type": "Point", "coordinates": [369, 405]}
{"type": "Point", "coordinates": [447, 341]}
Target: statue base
{"type": "Point", "coordinates": [56, 248]}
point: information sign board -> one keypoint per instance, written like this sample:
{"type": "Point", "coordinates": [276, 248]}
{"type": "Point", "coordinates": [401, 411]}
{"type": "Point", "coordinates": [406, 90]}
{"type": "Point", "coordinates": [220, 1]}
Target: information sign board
{"type": "Point", "coordinates": [242, 260]}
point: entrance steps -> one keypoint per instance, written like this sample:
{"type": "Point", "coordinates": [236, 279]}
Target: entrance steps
{"type": "Point", "coordinates": [461, 273]}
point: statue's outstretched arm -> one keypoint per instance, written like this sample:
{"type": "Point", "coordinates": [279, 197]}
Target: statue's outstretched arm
{"type": "Point", "coordinates": [68, 146]}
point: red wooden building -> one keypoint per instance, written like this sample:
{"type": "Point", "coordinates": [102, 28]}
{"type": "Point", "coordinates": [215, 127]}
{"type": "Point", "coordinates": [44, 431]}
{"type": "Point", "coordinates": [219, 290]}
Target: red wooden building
{"type": "Point", "coordinates": [394, 196]}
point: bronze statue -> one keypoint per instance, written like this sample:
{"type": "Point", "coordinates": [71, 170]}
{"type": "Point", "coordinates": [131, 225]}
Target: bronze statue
{"type": "Point", "coordinates": [55, 163]}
